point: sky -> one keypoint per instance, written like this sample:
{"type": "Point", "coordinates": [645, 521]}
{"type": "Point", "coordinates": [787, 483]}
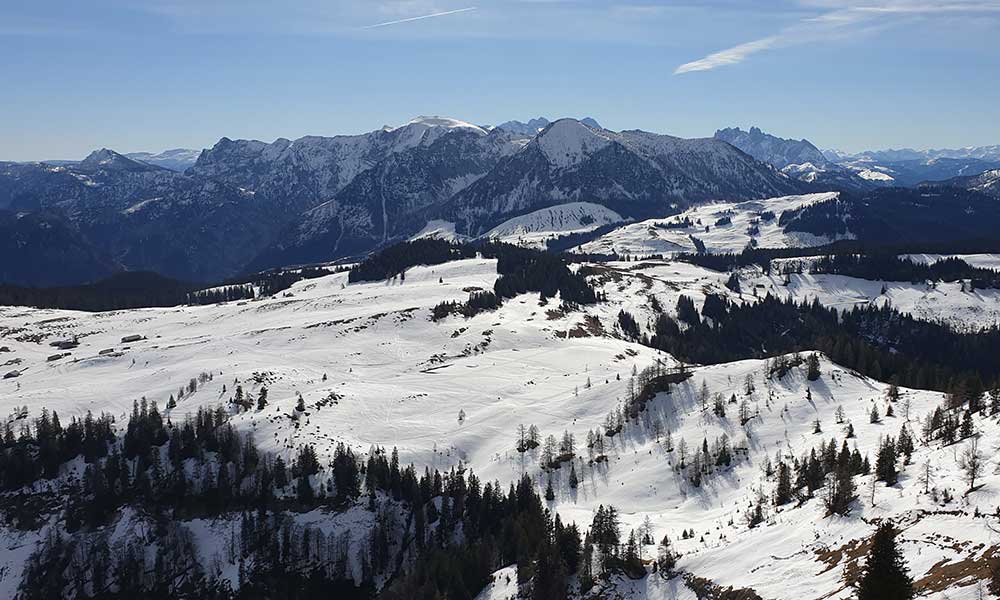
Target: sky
{"type": "Point", "coordinates": [147, 75]}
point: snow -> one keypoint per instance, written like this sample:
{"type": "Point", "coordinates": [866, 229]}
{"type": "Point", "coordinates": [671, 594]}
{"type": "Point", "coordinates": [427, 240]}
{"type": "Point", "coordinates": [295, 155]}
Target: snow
{"type": "Point", "coordinates": [567, 142]}
{"type": "Point", "coordinates": [535, 228]}
{"type": "Point", "coordinates": [652, 237]}
{"type": "Point", "coordinates": [982, 261]}
{"type": "Point", "coordinates": [446, 123]}
{"type": "Point", "coordinates": [874, 175]}
{"type": "Point", "coordinates": [402, 380]}
{"type": "Point", "coordinates": [941, 302]}
{"type": "Point", "coordinates": [503, 586]}
{"type": "Point", "coordinates": [439, 229]}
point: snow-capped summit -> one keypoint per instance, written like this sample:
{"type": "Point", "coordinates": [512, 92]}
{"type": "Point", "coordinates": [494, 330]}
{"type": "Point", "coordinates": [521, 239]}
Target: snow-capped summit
{"type": "Point", "coordinates": [444, 122]}
{"type": "Point", "coordinates": [109, 160]}
{"type": "Point", "coordinates": [533, 126]}
{"type": "Point", "coordinates": [568, 141]}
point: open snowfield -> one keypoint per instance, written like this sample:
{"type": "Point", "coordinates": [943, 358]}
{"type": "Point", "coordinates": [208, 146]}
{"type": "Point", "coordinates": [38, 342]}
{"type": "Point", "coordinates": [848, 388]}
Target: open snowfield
{"type": "Point", "coordinates": [374, 370]}
{"type": "Point", "coordinates": [653, 237]}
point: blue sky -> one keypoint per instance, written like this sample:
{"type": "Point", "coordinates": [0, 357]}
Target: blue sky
{"type": "Point", "coordinates": [155, 74]}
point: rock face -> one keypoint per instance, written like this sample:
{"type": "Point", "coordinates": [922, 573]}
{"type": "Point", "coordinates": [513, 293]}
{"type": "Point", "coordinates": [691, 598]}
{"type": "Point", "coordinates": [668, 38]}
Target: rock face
{"type": "Point", "coordinates": [773, 150]}
{"type": "Point", "coordinates": [634, 173]}
{"type": "Point", "coordinates": [247, 205]}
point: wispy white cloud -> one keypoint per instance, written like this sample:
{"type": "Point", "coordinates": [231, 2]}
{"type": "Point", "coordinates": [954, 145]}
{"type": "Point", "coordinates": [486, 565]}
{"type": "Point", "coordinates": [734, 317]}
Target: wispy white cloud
{"type": "Point", "coordinates": [421, 17]}
{"type": "Point", "coordinates": [841, 19]}
{"type": "Point", "coordinates": [729, 56]}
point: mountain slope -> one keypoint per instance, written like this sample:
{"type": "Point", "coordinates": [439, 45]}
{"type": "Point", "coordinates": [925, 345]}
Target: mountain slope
{"type": "Point", "coordinates": [987, 182]}
{"type": "Point", "coordinates": [927, 214]}
{"type": "Point", "coordinates": [142, 216]}
{"type": "Point", "coordinates": [42, 249]}
{"type": "Point", "coordinates": [248, 204]}
{"type": "Point", "coordinates": [372, 369]}
{"type": "Point", "coordinates": [390, 199]}
{"type": "Point", "coordinates": [776, 151]}
{"type": "Point", "coordinates": [176, 159]}
{"type": "Point", "coordinates": [535, 228]}
{"type": "Point", "coordinates": [633, 173]}
{"type": "Point", "coordinates": [722, 227]}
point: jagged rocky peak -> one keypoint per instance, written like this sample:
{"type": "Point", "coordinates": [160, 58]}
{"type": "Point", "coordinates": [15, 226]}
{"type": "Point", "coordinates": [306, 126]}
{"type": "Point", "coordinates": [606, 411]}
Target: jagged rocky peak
{"type": "Point", "coordinates": [779, 152]}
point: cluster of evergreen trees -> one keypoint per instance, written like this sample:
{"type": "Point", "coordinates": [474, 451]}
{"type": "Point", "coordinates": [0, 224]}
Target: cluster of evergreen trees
{"type": "Point", "coordinates": [120, 291]}
{"type": "Point", "coordinates": [145, 290]}
{"type": "Point", "coordinates": [36, 452]}
{"type": "Point", "coordinates": [395, 260]}
{"type": "Point", "coordinates": [455, 529]}
{"type": "Point", "coordinates": [478, 302]}
{"type": "Point", "coordinates": [890, 267]}
{"type": "Point", "coordinates": [823, 467]}
{"type": "Point", "coordinates": [523, 270]}
{"type": "Point", "coordinates": [879, 342]}
{"type": "Point", "coordinates": [875, 260]}
{"type": "Point", "coordinates": [226, 293]}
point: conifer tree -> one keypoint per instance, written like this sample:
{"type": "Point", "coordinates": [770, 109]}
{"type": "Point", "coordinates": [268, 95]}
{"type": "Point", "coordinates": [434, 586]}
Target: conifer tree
{"type": "Point", "coordinates": [812, 367]}
{"type": "Point", "coordinates": [885, 575]}
{"type": "Point", "coordinates": [885, 465]}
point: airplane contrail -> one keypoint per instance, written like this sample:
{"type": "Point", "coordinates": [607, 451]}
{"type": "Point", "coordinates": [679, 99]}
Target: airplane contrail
{"type": "Point", "coordinates": [440, 14]}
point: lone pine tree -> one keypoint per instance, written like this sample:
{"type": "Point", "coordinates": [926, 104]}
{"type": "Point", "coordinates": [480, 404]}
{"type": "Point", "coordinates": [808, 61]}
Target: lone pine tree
{"type": "Point", "coordinates": [885, 575]}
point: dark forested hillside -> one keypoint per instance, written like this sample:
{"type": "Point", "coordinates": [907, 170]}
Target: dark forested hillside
{"type": "Point", "coordinates": [897, 215]}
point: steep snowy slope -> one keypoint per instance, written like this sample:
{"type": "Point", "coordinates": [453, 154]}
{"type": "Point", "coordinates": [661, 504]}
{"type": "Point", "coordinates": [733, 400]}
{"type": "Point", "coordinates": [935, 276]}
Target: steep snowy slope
{"type": "Point", "coordinates": [534, 229]}
{"type": "Point", "coordinates": [722, 226]}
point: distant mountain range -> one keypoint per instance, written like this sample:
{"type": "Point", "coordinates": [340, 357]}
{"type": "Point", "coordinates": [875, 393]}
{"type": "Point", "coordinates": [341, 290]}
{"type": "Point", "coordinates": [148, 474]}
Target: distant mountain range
{"type": "Point", "coordinates": [246, 205]}
{"type": "Point", "coordinates": [177, 159]}
{"type": "Point", "coordinates": [988, 153]}
{"type": "Point", "coordinates": [533, 126]}
{"type": "Point", "coordinates": [779, 152]}
{"type": "Point", "coordinates": [830, 169]}
{"type": "Point", "coordinates": [249, 205]}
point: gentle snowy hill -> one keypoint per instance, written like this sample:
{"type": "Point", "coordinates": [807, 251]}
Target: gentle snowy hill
{"type": "Point", "coordinates": [534, 229]}
{"type": "Point", "coordinates": [721, 226]}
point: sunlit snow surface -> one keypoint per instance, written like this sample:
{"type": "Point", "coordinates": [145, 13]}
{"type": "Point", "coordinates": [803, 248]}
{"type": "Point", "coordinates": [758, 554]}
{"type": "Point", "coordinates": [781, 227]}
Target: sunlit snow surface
{"type": "Point", "coordinates": [401, 381]}
{"type": "Point", "coordinates": [654, 237]}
